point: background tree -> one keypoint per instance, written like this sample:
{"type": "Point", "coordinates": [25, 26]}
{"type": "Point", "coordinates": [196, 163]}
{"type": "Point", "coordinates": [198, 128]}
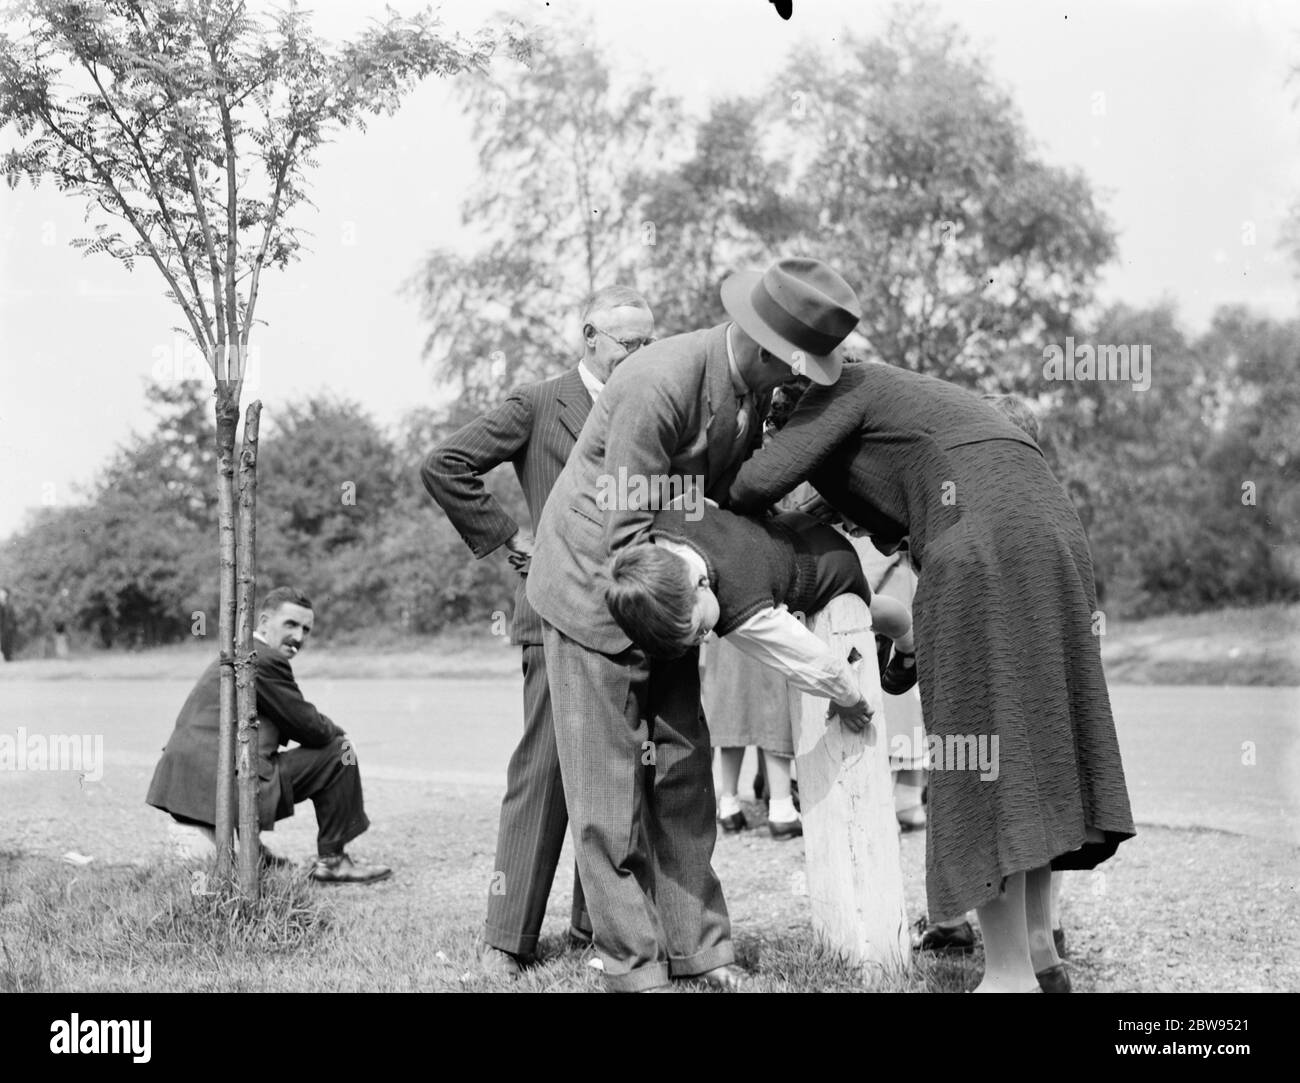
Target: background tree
{"type": "Point", "coordinates": [556, 144]}
{"type": "Point", "coordinates": [188, 126]}
{"type": "Point", "coordinates": [966, 251]}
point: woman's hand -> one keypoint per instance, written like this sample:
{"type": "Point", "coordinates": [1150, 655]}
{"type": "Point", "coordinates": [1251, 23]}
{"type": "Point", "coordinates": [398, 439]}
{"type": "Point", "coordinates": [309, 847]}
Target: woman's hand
{"type": "Point", "coordinates": [854, 718]}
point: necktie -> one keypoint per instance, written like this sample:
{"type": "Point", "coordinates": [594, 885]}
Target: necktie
{"type": "Point", "coordinates": [742, 423]}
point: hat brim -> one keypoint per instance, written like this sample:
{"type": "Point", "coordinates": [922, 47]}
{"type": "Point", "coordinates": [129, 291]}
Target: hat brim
{"type": "Point", "coordinates": [736, 289]}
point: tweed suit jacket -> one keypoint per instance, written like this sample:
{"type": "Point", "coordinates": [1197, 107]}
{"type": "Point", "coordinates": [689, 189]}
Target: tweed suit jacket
{"type": "Point", "coordinates": [534, 430]}
{"type": "Point", "coordinates": [669, 409]}
{"type": "Point", "coordinates": [185, 780]}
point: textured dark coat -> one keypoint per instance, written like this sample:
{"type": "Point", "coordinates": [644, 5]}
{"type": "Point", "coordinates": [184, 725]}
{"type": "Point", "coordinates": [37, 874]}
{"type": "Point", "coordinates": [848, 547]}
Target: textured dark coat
{"type": "Point", "coordinates": [534, 430]}
{"type": "Point", "coordinates": [185, 780]}
{"type": "Point", "coordinates": [1003, 615]}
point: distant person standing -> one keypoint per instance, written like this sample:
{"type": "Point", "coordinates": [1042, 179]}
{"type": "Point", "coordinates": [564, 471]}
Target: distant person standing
{"type": "Point", "coordinates": [8, 626]}
{"type": "Point", "coordinates": [534, 430]}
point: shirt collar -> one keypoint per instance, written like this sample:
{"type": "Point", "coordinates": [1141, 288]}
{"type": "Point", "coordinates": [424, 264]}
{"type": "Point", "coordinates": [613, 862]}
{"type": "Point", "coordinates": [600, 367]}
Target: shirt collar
{"type": "Point", "coordinates": [594, 387]}
{"type": "Point", "coordinates": [737, 381]}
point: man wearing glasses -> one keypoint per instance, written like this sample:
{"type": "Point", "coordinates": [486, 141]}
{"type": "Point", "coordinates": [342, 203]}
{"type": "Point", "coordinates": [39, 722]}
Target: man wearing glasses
{"type": "Point", "coordinates": [534, 429]}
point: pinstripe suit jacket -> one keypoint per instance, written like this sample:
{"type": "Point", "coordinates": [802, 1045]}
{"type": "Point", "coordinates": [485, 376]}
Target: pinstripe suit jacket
{"type": "Point", "coordinates": [670, 409]}
{"type": "Point", "coordinates": [534, 429]}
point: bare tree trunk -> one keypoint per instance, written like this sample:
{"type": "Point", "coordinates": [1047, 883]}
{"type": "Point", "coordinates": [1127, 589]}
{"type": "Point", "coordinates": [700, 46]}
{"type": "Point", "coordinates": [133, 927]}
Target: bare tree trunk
{"type": "Point", "coordinates": [227, 411]}
{"type": "Point", "coordinates": [245, 667]}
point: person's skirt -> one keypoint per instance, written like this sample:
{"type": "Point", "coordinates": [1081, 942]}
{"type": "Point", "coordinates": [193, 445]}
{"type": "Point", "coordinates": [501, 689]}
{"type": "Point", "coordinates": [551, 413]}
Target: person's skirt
{"type": "Point", "coordinates": [745, 702]}
{"type": "Point", "coordinates": [1025, 763]}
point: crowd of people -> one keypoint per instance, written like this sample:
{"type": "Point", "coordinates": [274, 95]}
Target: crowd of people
{"type": "Point", "coordinates": [756, 473]}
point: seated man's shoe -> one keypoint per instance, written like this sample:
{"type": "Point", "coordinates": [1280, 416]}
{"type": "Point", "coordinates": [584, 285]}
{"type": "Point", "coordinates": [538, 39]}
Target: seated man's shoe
{"type": "Point", "coordinates": [1054, 979]}
{"type": "Point", "coordinates": [944, 939]}
{"type": "Point", "coordinates": [579, 939]}
{"type": "Point", "coordinates": [727, 979]}
{"type": "Point", "coordinates": [785, 831]}
{"type": "Point", "coordinates": [341, 869]}
{"type": "Point", "coordinates": [733, 823]}
{"type": "Point", "coordinates": [1058, 938]}
{"type": "Point", "coordinates": [900, 674]}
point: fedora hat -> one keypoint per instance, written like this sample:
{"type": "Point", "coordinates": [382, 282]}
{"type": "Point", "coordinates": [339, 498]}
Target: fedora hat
{"type": "Point", "coordinates": [798, 309]}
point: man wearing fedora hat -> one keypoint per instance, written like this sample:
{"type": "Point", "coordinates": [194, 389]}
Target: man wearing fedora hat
{"type": "Point", "coordinates": [634, 748]}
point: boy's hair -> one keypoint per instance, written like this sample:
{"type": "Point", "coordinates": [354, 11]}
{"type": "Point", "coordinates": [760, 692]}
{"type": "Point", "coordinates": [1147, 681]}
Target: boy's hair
{"type": "Point", "coordinates": [278, 596]}
{"type": "Point", "coordinates": [652, 599]}
{"type": "Point", "coordinates": [1018, 412]}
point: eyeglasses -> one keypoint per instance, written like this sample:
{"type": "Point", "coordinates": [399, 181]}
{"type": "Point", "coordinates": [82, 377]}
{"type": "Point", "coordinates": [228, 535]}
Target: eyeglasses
{"type": "Point", "coordinates": [631, 345]}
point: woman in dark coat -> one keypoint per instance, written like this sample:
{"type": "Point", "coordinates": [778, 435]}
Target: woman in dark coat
{"type": "Point", "coordinates": [1006, 644]}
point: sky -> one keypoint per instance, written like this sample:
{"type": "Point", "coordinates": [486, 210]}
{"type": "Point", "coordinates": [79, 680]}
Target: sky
{"type": "Point", "coordinates": [1178, 112]}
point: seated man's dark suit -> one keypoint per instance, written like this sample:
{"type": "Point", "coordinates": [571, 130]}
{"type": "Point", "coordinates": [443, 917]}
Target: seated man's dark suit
{"type": "Point", "coordinates": [534, 430]}
{"type": "Point", "coordinates": [324, 768]}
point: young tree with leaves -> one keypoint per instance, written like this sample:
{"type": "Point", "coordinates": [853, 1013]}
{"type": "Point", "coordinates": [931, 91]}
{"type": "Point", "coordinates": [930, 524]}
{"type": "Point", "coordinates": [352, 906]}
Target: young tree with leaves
{"type": "Point", "coordinates": [188, 127]}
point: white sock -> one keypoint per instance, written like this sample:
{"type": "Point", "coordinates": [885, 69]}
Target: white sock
{"type": "Point", "coordinates": [906, 796]}
{"type": "Point", "coordinates": [728, 805]}
{"type": "Point", "coordinates": [782, 811]}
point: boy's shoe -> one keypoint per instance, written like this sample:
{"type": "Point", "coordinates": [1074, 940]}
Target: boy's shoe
{"type": "Point", "coordinates": [782, 832]}
{"type": "Point", "coordinates": [900, 674]}
{"type": "Point", "coordinates": [733, 823]}
{"type": "Point", "coordinates": [341, 869]}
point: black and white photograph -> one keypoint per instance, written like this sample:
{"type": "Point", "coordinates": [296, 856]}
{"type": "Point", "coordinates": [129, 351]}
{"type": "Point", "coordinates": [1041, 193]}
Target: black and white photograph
{"type": "Point", "coordinates": [731, 496]}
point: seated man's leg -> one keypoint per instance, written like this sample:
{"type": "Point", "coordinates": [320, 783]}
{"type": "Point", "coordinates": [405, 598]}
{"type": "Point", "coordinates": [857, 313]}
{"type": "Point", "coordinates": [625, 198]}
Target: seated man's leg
{"type": "Point", "coordinates": [331, 778]}
{"type": "Point", "coordinates": [601, 737]}
{"type": "Point", "coordinates": [682, 827]}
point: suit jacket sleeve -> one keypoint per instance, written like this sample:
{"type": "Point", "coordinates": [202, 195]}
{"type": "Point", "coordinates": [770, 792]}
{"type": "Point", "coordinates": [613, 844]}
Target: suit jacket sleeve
{"type": "Point", "coordinates": [818, 425]}
{"type": "Point", "coordinates": [643, 433]}
{"type": "Point", "coordinates": [280, 700]}
{"type": "Point", "coordinates": [453, 473]}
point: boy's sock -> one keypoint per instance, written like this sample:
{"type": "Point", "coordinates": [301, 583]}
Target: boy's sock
{"type": "Point", "coordinates": [782, 811]}
{"type": "Point", "coordinates": [728, 805]}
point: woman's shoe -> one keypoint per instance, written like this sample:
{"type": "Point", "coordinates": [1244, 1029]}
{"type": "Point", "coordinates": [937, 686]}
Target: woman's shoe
{"type": "Point", "coordinates": [912, 819]}
{"type": "Point", "coordinates": [782, 832]}
{"type": "Point", "coordinates": [1054, 979]}
{"type": "Point", "coordinates": [733, 823]}
{"type": "Point", "coordinates": [900, 674]}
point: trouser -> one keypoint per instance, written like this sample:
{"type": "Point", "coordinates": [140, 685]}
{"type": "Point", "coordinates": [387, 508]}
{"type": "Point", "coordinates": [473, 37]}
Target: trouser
{"type": "Point", "coordinates": [331, 778]}
{"type": "Point", "coordinates": [636, 763]}
{"type": "Point", "coordinates": [533, 822]}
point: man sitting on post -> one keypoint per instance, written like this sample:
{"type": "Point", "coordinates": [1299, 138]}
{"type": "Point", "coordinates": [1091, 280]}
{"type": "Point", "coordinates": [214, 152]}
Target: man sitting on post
{"type": "Point", "coordinates": [322, 767]}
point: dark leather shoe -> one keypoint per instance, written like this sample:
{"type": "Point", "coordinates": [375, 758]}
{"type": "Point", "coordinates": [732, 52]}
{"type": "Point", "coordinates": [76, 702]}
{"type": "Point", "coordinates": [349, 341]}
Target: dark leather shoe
{"type": "Point", "coordinates": [1054, 979]}
{"type": "Point", "coordinates": [900, 674]}
{"type": "Point", "coordinates": [341, 869]}
{"type": "Point", "coordinates": [733, 823]}
{"type": "Point", "coordinates": [579, 939]}
{"type": "Point", "coordinates": [1058, 938]}
{"type": "Point", "coordinates": [728, 979]}
{"type": "Point", "coordinates": [944, 939]}
{"type": "Point", "coordinates": [784, 831]}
